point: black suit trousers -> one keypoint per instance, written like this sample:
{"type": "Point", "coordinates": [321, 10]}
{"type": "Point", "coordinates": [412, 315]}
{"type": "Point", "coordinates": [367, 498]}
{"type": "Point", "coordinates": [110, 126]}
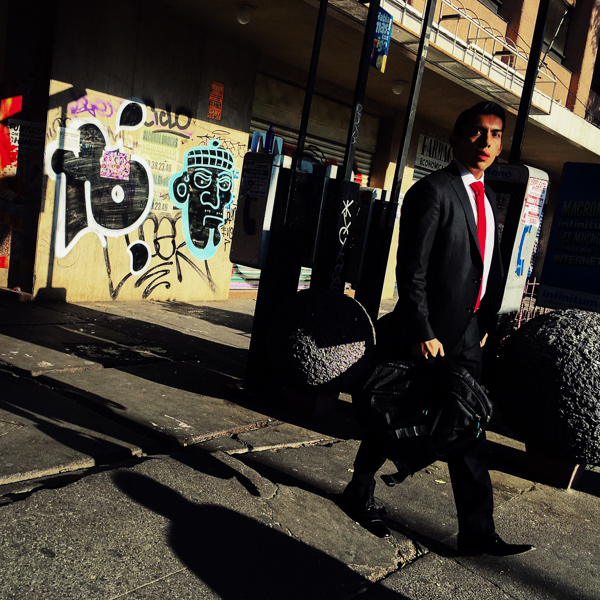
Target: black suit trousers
{"type": "Point", "coordinates": [469, 474]}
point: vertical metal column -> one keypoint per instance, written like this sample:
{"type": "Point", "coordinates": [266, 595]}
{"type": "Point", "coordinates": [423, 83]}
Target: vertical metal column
{"type": "Point", "coordinates": [360, 89]}
{"type": "Point", "coordinates": [530, 78]}
{"type": "Point", "coordinates": [379, 241]}
{"type": "Point", "coordinates": [281, 272]}
{"type": "Point", "coordinates": [341, 198]}
{"type": "Point", "coordinates": [310, 86]}
{"type": "Point", "coordinates": [413, 99]}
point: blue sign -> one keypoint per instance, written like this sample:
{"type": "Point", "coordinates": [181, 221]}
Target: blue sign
{"type": "Point", "coordinates": [571, 274]}
{"type": "Point", "coordinates": [381, 42]}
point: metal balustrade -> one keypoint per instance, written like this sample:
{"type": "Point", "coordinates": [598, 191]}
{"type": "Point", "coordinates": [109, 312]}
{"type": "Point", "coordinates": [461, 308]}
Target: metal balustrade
{"type": "Point", "coordinates": [470, 49]}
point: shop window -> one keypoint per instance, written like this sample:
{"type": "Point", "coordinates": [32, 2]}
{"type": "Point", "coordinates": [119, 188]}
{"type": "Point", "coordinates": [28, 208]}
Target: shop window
{"type": "Point", "coordinates": [557, 29]}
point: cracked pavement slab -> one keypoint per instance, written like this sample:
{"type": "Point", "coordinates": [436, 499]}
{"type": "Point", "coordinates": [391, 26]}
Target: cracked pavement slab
{"type": "Point", "coordinates": [320, 523]}
{"type": "Point", "coordinates": [27, 357]}
{"type": "Point", "coordinates": [141, 396]}
{"type": "Point", "coordinates": [282, 435]}
{"type": "Point", "coordinates": [194, 521]}
{"type": "Point", "coordinates": [43, 433]}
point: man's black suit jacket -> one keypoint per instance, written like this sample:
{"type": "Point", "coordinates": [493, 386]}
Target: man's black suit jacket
{"type": "Point", "coordinates": [439, 265]}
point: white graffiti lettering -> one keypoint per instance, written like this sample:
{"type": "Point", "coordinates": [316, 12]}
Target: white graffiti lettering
{"type": "Point", "coordinates": [343, 234]}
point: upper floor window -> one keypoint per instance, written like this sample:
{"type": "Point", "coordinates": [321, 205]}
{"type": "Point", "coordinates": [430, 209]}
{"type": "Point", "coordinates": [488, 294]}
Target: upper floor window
{"type": "Point", "coordinates": [494, 5]}
{"type": "Point", "coordinates": [596, 76]}
{"type": "Point", "coordinates": [557, 29]}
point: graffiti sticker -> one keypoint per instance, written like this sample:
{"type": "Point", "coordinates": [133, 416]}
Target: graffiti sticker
{"type": "Point", "coordinates": [115, 165]}
{"type": "Point", "coordinates": [215, 101]}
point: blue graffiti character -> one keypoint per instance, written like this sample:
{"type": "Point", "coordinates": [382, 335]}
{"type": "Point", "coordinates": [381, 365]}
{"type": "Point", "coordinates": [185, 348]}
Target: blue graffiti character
{"type": "Point", "coordinates": [203, 190]}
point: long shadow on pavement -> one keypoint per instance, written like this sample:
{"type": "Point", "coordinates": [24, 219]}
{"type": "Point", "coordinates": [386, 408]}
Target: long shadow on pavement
{"type": "Point", "coordinates": [241, 321]}
{"type": "Point", "coordinates": [239, 557]}
{"type": "Point", "coordinates": [194, 362]}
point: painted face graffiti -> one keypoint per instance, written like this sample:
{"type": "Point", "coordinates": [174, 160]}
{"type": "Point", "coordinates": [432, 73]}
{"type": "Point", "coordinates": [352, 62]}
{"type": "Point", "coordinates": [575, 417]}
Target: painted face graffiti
{"type": "Point", "coordinates": [203, 190]}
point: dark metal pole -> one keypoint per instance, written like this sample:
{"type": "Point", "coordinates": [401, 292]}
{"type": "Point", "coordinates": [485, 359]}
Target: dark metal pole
{"type": "Point", "coordinates": [361, 86]}
{"type": "Point", "coordinates": [413, 99]}
{"type": "Point", "coordinates": [378, 243]}
{"type": "Point", "coordinates": [310, 85]}
{"type": "Point", "coordinates": [529, 84]}
{"type": "Point", "coordinates": [281, 271]}
{"type": "Point", "coordinates": [340, 199]}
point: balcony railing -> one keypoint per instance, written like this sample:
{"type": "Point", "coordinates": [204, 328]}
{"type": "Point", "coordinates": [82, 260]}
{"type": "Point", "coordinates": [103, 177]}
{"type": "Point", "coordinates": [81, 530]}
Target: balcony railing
{"type": "Point", "coordinates": [470, 49]}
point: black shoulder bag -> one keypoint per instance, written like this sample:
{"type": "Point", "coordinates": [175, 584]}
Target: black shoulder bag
{"type": "Point", "coordinates": [421, 412]}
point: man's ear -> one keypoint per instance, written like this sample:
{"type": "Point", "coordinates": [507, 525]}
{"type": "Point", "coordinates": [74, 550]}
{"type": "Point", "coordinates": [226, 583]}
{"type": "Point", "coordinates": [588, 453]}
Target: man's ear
{"type": "Point", "coordinates": [452, 139]}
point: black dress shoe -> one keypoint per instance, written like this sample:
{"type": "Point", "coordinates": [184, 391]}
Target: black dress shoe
{"type": "Point", "coordinates": [365, 514]}
{"type": "Point", "coordinates": [493, 545]}
{"type": "Point", "coordinates": [394, 479]}
{"type": "Point", "coordinates": [371, 520]}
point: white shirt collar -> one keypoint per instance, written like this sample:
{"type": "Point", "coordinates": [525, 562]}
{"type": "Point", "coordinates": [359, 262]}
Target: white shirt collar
{"type": "Point", "coordinates": [466, 175]}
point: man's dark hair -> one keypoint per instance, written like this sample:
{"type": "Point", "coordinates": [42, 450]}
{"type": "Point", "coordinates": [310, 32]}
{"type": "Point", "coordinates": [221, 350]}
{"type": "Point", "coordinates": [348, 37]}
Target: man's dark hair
{"type": "Point", "coordinates": [481, 108]}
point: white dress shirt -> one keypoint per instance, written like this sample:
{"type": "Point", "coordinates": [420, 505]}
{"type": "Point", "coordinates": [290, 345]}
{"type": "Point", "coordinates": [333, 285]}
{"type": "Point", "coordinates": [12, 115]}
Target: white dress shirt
{"type": "Point", "coordinates": [468, 178]}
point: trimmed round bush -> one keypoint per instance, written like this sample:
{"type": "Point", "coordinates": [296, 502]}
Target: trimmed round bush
{"type": "Point", "coordinates": [547, 384]}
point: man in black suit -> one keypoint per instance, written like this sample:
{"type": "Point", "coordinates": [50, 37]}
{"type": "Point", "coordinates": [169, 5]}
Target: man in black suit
{"type": "Point", "coordinates": [449, 278]}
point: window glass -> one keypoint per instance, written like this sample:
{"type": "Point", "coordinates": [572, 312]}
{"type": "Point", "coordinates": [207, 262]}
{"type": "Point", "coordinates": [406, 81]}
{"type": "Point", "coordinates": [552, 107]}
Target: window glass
{"type": "Point", "coordinates": [557, 29]}
{"type": "Point", "coordinates": [494, 5]}
{"type": "Point", "coordinates": [596, 76]}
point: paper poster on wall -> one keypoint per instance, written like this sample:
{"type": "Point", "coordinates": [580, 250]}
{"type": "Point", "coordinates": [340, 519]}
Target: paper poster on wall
{"type": "Point", "coordinates": [215, 100]}
{"type": "Point", "coordinates": [381, 42]}
{"type": "Point", "coordinates": [9, 137]}
{"type": "Point", "coordinates": [534, 200]}
{"type": "Point", "coordinates": [161, 151]}
{"type": "Point", "coordinates": [115, 165]}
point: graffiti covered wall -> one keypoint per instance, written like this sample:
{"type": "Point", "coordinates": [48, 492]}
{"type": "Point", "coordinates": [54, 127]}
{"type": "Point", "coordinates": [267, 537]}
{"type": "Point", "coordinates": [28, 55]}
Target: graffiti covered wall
{"type": "Point", "coordinates": [139, 202]}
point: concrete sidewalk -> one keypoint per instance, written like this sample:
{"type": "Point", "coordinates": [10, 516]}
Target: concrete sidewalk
{"type": "Point", "coordinates": [130, 468]}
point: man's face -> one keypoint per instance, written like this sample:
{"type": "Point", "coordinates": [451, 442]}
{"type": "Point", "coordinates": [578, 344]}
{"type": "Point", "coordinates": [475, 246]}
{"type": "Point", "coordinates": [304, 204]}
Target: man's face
{"type": "Point", "coordinates": [479, 143]}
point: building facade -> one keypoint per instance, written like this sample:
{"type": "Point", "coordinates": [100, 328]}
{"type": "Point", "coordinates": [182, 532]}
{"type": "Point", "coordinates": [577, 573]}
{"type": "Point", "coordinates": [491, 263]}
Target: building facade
{"type": "Point", "coordinates": [124, 128]}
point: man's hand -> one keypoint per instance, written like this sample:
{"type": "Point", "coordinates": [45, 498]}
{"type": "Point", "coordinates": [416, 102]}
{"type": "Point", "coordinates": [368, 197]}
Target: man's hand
{"type": "Point", "coordinates": [483, 341]}
{"type": "Point", "coordinates": [427, 349]}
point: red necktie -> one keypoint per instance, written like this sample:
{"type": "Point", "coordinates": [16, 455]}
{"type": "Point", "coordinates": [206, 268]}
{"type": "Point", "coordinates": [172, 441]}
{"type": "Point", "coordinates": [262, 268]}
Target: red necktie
{"type": "Point", "coordinates": [477, 187]}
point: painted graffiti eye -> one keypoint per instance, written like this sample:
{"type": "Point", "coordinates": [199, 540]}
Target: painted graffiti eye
{"type": "Point", "coordinates": [202, 178]}
{"type": "Point", "coordinates": [181, 189]}
{"type": "Point", "coordinates": [225, 182]}
{"type": "Point", "coordinates": [118, 194]}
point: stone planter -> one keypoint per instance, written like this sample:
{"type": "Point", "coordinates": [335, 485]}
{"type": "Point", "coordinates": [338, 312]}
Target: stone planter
{"type": "Point", "coordinates": [547, 387]}
{"type": "Point", "coordinates": [320, 342]}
